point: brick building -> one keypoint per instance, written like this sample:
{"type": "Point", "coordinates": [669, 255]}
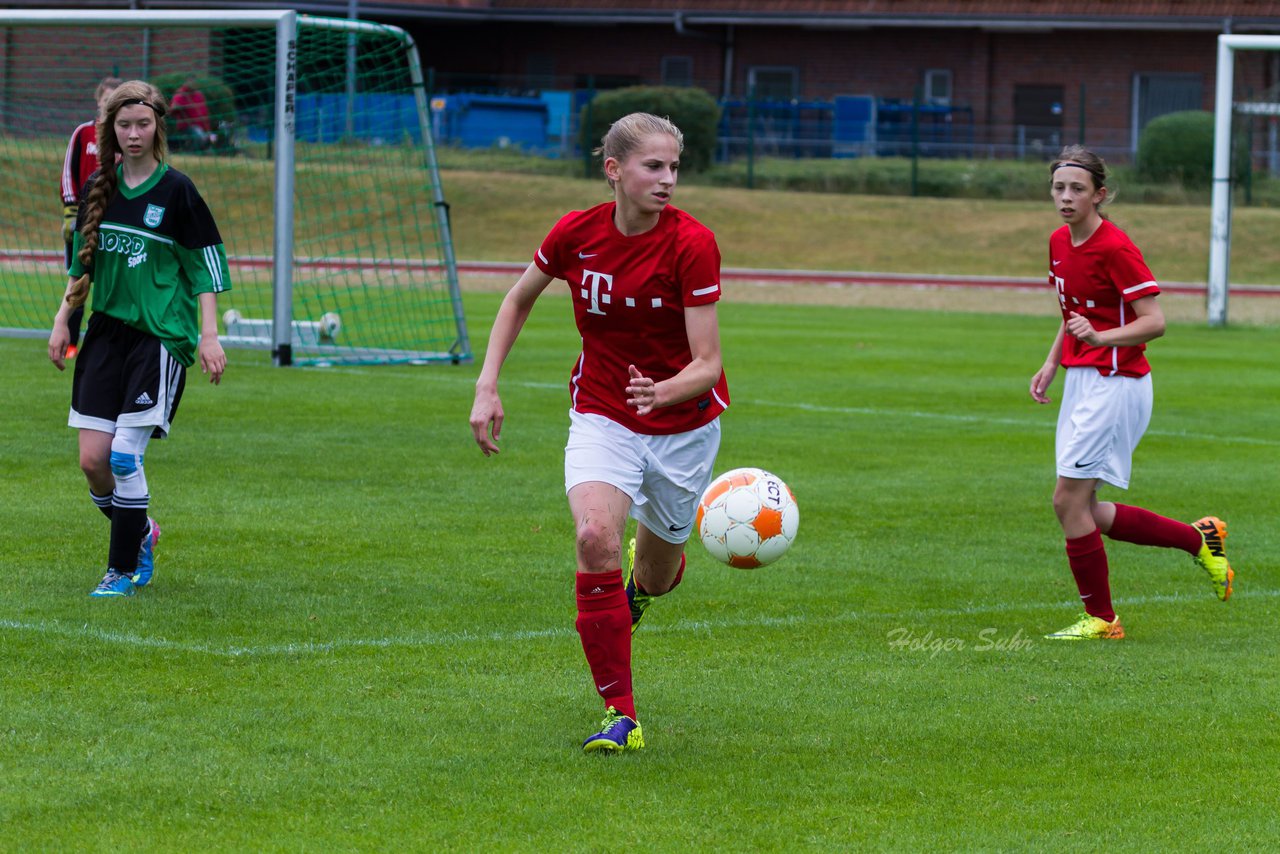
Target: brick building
{"type": "Point", "coordinates": [1036, 71]}
{"type": "Point", "coordinates": [1010, 73]}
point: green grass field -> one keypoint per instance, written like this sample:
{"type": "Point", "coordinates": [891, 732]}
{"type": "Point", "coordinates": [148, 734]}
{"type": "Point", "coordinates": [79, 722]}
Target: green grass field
{"type": "Point", "coordinates": [360, 635]}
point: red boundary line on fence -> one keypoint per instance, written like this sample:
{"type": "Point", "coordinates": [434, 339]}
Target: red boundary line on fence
{"type": "Point", "coordinates": [784, 277]}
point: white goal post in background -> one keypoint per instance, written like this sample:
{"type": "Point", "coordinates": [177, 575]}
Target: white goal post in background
{"type": "Point", "coordinates": [1220, 221]}
{"type": "Point", "coordinates": [356, 264]}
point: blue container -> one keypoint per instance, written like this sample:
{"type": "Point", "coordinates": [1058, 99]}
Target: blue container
{"type": "Point", "coordinates": [375, 118]}
{"type": "Point", "coordinates": [484, 121]}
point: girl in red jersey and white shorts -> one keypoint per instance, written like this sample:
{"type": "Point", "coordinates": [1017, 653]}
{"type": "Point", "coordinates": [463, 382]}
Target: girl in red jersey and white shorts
{"type": "Point", "coordinates": [646, 393]}
{"type": "Point", "coordinates": [1107, 296]}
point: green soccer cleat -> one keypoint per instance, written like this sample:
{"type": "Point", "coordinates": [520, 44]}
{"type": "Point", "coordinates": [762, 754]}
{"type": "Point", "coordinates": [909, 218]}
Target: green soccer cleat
{"type": "Point", "coordinates": [1089, 627]}
{"type": "Point", "coordinates": [636, 600]}
{"type": "Point", "coordinates": [1213, 555]}
{"type": "Point", "coordinates": [617, 733]}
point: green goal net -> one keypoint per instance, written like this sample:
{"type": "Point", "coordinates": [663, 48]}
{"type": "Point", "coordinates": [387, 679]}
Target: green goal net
{"type": "Point", "coordinates": [313, 150]}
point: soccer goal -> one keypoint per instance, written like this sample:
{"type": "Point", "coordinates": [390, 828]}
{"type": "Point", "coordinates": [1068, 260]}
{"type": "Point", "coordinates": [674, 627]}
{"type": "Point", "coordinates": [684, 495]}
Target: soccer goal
{"type": "Point", "coordinates": [315, 156]}
{"type": "Point", "coordinates": [1227, 108]}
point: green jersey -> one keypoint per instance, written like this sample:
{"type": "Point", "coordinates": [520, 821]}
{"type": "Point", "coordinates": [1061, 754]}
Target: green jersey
{"type": "Point", "coordinates": [158, 247]}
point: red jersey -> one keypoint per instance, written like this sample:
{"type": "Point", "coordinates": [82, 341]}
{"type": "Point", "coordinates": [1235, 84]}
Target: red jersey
{"type": "Point", "coordinates": [188, 110]}
{"type": "Point", "coordinates": [629, 296]}
{"type": "Point", "coordinates": [1098, 279]}
{"type": "Point", "coordinates": [80, 162]}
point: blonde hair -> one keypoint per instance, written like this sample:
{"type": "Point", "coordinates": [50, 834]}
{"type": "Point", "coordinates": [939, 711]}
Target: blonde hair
{"type": "Point", "coordinates": [107, 182]}
{"type": "Point", "coordinates": [1083, 158]}
{"type": "Point", "coordinates": [625, 135]}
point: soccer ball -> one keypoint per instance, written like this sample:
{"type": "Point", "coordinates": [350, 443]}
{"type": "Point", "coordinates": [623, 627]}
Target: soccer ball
{"type": "Point", "coordinates": [747, 518]}
{"type": "Point", "coordinates": [330, 325]}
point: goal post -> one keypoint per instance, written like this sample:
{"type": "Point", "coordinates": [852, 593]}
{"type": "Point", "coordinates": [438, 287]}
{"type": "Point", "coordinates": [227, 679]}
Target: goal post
{"type": "Point", "coordinates": [1220, 216]}
{"type": "Point", "coordinates": [316, 159]}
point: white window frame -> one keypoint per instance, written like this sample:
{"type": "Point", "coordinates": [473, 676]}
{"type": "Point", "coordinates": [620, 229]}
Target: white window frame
{"type": "Point", "coordinates": [932, 78]}
{"type": "Point", "coordinates": [755, 70]}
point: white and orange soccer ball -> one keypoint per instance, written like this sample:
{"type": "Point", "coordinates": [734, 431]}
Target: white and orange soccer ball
{"type": "Point", "coordinates": [747, 518]}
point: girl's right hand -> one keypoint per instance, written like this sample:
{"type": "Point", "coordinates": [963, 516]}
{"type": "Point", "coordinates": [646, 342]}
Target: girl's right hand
{"type": "Point", "coordinates": [486, 420]}
{"type": "Point", "coordinates": [59, 340]}
{"type": "Point", "coordinates": [1041, 381]}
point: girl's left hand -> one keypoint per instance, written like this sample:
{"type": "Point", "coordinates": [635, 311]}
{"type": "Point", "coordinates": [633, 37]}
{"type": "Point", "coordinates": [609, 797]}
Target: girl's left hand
{"type": "Point", "coordinates": [1081, 328]}
{"type": "Point", "coordinates": [213, 361]}
{"type": "Point", "coordinates": [642, 392]}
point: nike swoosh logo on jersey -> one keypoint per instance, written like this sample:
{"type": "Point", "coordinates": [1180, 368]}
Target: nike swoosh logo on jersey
{"type": "Point", "coordinates": [1056, 263]}
{"type": "Point", "coordinates": [583, 255]}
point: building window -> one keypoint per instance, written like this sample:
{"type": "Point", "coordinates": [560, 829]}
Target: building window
{"type": "Point", "coordinates": [773, 82]}
{"type": "Point", "coordinates": [1157, 94]}
{"type": "Point", "coordinates": [1037, 118]}
{"type": "Point", "coordinates": [677, 71]}
{"type": "Point", "coordinates": [540, 71]}
{"type": "Point", "coordinates": [937, 87]}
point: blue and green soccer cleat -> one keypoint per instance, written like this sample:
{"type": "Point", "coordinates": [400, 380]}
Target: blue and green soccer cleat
{"type": "Point", "coordinates": [636, 600]}
{"type": "Point", "coordinates": [617, 733]}
{"type": "Point", "coordinates": [147, 554]}
{"type": "Point", "coordinates": [114, 584]}
{"type": "Point", "coordinates": [1213, 555]}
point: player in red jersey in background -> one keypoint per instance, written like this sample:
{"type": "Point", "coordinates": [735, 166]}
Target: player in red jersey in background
{"type": "Point", "coordinates": [80, 162]}
{"type": "Point", "coordinates": [190, 115]}
{"type": "Point", "coordinates": [1108, 300]}
{"type": "Point", "coordinates": [646, 393]}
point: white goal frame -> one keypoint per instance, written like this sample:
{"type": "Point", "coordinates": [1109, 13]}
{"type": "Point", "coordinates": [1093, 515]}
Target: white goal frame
{"type": "Point", "coordinates": [1220, 218]}
{"type": "Point", "coordinates": [286, 24]}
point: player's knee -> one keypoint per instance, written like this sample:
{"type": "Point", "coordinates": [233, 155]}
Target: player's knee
{"type": "Point", "coordinates": [599, 546]}
{"type": "Point", "coordinates": [1071, 504]}
{"type": "Point", "coordinates": [131, 481]}
{"type": "Point", "coordinates": [124, 464]}
{"type": "Point", "coordinates": [95, 466]}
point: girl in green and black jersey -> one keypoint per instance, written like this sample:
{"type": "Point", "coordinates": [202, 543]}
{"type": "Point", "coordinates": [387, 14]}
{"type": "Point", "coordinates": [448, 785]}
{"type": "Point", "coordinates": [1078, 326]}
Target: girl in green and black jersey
{"type": "Point", "coordinates": [147, 243]}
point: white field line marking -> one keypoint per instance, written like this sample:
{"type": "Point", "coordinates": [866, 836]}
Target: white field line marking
{"type": "Point", "coordinates": [872, 412]}
{"type": "Point", "coordinates": [986, 419]}
{"type": "Point", "coordinates": [451, 639]}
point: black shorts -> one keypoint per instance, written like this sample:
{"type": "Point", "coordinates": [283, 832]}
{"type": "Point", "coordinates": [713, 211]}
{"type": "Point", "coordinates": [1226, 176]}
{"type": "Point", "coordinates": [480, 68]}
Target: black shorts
{"type": "Point", "coordinates": [124, 377]}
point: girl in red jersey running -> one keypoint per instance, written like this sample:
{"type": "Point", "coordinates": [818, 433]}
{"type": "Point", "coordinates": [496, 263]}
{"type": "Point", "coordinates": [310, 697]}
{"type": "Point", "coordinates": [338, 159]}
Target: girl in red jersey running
{"type": "Point", "coordinates": [1107, 296]}
{"type": "Point", "coordinates": [646, 393]}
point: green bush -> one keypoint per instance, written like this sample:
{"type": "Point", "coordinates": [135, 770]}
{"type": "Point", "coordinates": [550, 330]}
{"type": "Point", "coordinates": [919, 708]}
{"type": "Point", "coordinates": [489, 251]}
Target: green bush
{"type": "Point", "coordinates": [692, 110]}
{"type": "Point", "coordinates": [218, 96]}
{"type": "Point", "coordinates": [1179, 147]}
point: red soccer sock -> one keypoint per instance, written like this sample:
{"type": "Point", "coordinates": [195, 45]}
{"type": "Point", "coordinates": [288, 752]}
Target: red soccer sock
{"type": "Point", "coordinates": [1088, 559]}
{"type": "Point", "coordinates": [1135, 525]}
{"type": "Point", "coordinates": [604, 626]}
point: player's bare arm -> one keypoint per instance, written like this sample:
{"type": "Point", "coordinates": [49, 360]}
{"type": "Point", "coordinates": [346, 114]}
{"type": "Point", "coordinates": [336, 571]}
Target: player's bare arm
{"type": "Point", "coordinates": [697, 377]}
{"type": "Point", "coordinates": [1043, 378]}
{"type": "Point", "coordinates": [60, 337]}
{"type": "Point", "coordinates": [486, 410]}
{"type": "Point", "coordinates": [1148, 325]}
{"type": "Point", "coordinates": [213, 360]}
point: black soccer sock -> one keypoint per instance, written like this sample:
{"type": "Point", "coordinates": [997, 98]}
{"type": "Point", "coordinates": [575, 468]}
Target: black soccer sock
{"type": "Point", "coordinates": [102, 502]}
{"type": "Point", "coordinates": [128, 527]}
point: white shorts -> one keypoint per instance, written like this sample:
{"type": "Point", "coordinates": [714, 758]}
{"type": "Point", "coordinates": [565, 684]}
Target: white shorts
{"type": "Point", "coordinates": [1101, 421]}
{"type": "Point", "coordinates": [664, 475]}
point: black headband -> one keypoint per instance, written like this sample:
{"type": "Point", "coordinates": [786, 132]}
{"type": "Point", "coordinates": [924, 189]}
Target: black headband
{"type": "Point", "coordinates": [1092, 171]}
{"type": "Point", "coordinates": [159, 111]}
